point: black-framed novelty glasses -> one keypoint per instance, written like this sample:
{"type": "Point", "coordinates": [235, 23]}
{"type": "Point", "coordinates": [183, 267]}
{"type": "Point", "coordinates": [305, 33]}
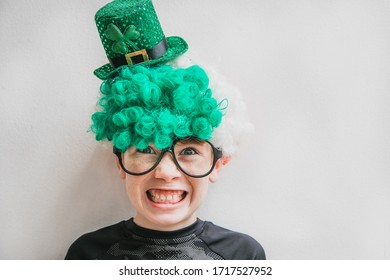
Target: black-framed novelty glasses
{"type": "Point", "coordinates": [195, 158]}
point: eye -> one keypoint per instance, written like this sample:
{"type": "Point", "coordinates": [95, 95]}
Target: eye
{"type": "Point", "coordinates": [147, 150]}
{"type": "Point", "coordinates": [188, 152]}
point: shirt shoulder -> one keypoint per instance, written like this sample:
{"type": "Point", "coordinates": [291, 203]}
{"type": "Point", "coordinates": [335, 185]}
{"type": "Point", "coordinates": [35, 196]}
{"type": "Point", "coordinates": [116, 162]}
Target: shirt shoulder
{"type": "Point", "coordinates": [231, 245]}
{"type": "Point", "coordinates": [92, 245]}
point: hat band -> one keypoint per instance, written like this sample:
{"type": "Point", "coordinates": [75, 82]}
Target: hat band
{"type": "Point", "coordinates": [140, 56]}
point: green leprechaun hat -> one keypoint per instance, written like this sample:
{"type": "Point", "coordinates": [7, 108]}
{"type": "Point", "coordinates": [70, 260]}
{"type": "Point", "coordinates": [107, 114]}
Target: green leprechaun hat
{"type": "Point", "coordinates": [131, 34]}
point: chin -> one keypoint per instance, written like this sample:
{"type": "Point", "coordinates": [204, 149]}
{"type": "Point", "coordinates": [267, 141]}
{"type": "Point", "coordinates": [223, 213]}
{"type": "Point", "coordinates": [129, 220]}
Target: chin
{"type": "Point", "coordinates": [169, 222]}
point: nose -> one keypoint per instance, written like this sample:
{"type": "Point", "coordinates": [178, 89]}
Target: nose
{"type": "Point", "coordinates": [167, 169]}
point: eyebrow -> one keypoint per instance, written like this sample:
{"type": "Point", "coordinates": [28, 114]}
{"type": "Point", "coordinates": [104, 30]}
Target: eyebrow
{"type": "Point", "coordinates": [191, 140]}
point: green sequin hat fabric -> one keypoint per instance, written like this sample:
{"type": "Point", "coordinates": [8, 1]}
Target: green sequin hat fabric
{"type": "Point", "coordinates": [131, 34]}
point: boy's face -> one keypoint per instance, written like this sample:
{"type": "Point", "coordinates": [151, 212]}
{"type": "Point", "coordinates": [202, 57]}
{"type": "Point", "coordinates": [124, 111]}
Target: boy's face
{"type": "Point", "coordinates": [166, 199]}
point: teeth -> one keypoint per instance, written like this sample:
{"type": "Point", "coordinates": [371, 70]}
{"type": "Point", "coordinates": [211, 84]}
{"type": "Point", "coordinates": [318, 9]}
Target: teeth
{"type": "Point", "coordinates": [164, 196]}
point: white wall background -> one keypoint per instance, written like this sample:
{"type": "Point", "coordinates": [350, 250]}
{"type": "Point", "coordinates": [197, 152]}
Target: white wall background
{"type": "Point", "coordinates": [314, 181]}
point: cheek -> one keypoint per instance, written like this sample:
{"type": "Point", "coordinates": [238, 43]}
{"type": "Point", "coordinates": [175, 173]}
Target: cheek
{"type": "Point", "coordinates": [133, 187]}
{"type": "Point", "coordinates": [200, 187]}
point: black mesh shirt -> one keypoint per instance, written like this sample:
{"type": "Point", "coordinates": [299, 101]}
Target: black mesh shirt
{"type": "Point", "coordinates": [199, 241]}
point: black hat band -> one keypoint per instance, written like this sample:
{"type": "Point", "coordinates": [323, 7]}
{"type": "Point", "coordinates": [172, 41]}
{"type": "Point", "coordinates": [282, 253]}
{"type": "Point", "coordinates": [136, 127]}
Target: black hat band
{"type": "Point", "coordinates": [140, 55]}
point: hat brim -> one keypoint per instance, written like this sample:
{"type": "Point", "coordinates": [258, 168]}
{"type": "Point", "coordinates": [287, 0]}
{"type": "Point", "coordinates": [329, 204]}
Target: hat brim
{"type": "Point", "coordinates": [176, 47]}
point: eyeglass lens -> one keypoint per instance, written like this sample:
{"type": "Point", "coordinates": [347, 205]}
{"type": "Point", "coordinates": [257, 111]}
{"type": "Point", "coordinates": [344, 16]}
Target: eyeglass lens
{"type": "Point", "coordinates": [195, 157]}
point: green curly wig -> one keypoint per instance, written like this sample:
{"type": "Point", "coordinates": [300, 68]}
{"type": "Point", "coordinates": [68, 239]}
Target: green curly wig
{"type": "Point", "coordinates": [157, 105]}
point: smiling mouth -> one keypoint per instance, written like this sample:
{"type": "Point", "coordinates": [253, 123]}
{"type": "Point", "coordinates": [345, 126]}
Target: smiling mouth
{"type": "Point", "coordinates": [166, 196]}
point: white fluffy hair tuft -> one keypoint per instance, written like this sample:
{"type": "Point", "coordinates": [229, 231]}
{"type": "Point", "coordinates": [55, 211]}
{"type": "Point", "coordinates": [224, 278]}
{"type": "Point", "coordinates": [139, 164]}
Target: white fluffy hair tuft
{"type": "Point", "coordinates": [235, 127]}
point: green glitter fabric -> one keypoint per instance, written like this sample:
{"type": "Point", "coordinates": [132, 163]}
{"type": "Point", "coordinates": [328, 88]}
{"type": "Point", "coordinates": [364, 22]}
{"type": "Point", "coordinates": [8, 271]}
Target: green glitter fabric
{"type": "Point", "coordinates": [138, 15]}
{"type": "Point", "coordinates": [143, 105]}
{"type": "Point", "coordinates": [126, 26]}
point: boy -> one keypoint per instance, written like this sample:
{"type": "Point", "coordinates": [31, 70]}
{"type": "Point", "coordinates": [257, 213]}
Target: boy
{"type": "Point", "coordinates": [163, 122]}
